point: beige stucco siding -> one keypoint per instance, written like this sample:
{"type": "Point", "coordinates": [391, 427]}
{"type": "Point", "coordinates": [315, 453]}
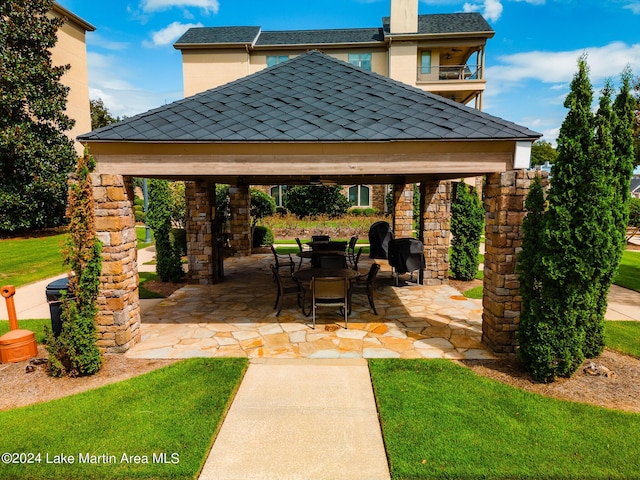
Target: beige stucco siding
{"type": "Point", "coordinates": [206, 69]}
{"type": "Point", "coordinates": [70, 49]}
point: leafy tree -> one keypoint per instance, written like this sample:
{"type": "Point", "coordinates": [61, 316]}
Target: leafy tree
{"type": "Point", "coordinates": [223, 202]}
{"type": "Point", "coordinates": [262, 205]}
{"type": "Point", "coordinates": [100, 116]}
{"type": "Point", "coordinates": [35, 154]}
{"type": "Point", "coordinates": [169, 265]}
{"type": "Point", "coordinates": [542, 152]}
{"type": "Point", "coordinates": [636, 121]}
{"type": "Point", "coordinates": [75, 352]}
{"type": "Point", "coordinates": [310, 200]}
{"type": "Point", "coordinates": [467, 216]}
{"type": "Point", "coordinates": [178, 202]}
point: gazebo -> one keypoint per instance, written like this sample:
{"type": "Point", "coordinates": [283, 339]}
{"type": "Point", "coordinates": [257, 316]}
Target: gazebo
{"type": "Point", "coordinates": [311, 120]}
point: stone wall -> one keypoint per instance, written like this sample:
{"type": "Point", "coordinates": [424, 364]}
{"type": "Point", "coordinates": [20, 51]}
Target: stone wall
{"type": "Point", "coordinates": [118, 302]}
{"type": "Point", "coordinates": [201, 252]}
{"type": "Point", "coordinates": [402, 210]}
{"type": "Point", "coordinates": [505, 194]}
{"type": "Point", "coordinates": [435, 199]}
{"type": "Point", "coordinates": [240, 222]}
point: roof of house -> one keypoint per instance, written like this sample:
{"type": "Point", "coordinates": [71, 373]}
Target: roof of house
{"type": "Point", "coordinates": [635, 184]}
{"type": "Point", "coordinates": [220, 35]}
{"type": "Point", "coordinates": [427, 25]}
{"type": "Point", "coordinates": [319, 37]}
{"type": "Point", "coordinates": [311, 98]}
{"type": "Point", "coordinates": [441, 23]}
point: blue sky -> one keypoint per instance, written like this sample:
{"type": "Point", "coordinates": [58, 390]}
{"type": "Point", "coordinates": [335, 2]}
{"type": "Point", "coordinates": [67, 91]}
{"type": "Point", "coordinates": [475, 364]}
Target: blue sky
{"type": "Point", "coordinates": [530, 61]}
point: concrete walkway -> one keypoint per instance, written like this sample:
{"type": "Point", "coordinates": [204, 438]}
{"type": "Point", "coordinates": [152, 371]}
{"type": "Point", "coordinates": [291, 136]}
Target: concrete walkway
{"type": "Point", "coordinates": [301, 419]}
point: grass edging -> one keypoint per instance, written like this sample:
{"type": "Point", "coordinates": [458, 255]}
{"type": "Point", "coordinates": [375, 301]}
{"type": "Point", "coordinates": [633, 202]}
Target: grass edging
{"type": "Point", "coordinates": [442, 420]}
{"type": "Point", "coordinates": [159, 425]}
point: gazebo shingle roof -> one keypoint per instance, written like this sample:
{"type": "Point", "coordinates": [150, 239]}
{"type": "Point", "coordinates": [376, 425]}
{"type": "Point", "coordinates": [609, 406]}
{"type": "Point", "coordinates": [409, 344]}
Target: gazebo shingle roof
{"type": "Point", "coordinates": [311, 98]}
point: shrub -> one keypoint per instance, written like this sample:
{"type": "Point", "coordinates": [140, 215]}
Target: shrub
{"type": "Point", "coordinates": [262, 236]}
{"type": "Point", "coordinates": [262, 204]}
{"type": "Point", "coordinates": [311, 200]}
{"type": "Point", "coordinates": [467, 216]}
{"type": "Point", "coordinates": [370, 212]}
{"type": "Point", "coordinates": [356, 212]}
{"type": "Point", "coordinates": [75, 351]}
{"type": "Point", "coordinates": [168, 254]}
{"type": "Point", "coordinates": [179, 236]}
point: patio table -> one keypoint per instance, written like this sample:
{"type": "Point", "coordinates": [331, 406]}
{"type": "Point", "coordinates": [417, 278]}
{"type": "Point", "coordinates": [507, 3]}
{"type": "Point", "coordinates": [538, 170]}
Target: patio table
{"type": "Point", "coordinates": [307, 274]}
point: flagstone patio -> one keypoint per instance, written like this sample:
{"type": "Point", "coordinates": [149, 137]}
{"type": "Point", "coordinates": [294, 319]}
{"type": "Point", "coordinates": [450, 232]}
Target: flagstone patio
{"type": "Point", "coordinates": [237, 318]}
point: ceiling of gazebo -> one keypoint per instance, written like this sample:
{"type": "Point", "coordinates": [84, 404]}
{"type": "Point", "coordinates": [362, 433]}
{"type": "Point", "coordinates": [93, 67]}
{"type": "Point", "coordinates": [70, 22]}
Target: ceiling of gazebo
{"type": "Point", "coordinates": [313, 119]}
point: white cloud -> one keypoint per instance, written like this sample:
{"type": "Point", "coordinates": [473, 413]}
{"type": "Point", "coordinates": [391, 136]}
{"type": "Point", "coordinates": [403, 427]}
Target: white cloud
{"type": "Point", "coordinates": [108, 81]}
{"type": "Point", "coordinates": [634, 7]}
{"type": "Point", "coordinates": [559, 67]}
{"type": "Point", "coordinates": [156, 5]}
{"type": "Point", "coordinates": [97, 40]}
{"type": "Point", "coordinates": [491, 9]}
{"type": "Point", "coordinates": [169, 34]}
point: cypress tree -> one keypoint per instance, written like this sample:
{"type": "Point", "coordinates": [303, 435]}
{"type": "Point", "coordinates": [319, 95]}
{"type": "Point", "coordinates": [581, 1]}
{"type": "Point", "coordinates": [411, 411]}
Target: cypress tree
{"type": "Point", "coordinates": [563, 268]}
{"type": "Point", "coordinates": [534, 335]}
{"type": "Point", "coordinates": [467, 217]}
{"type": "Point", "coordinates": [168, 260]}
{"type": "Point", "coordinates": [75, 351]}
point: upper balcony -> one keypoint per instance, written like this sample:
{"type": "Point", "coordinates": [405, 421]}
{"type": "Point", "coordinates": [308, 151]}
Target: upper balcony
{"type": "Point", "coordinates": [450, 73]}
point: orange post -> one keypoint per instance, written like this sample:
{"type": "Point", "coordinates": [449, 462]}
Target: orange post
{"type": "Point", "coordinates": [16, 345]}
{"type": "Point", "coordinates": [8, 291]}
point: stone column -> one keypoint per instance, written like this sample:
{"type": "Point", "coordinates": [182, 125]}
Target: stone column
{"type": "Point", "coordinates": [435, 209]}
{"type": "Point", "coordinates": [240, 223]}
{"type": "Point", "coordinates": [118, 317]}
{"type": "Point", "coordinates": [402, 210]}
{"type": "Point", "coordinates": [202, 253]}
{"type": "Point", "coordinates": [505, 194]}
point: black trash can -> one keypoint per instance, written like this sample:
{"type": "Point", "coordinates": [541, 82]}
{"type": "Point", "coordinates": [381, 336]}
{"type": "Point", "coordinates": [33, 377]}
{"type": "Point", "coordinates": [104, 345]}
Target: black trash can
{"type": "Point", "coordinates": [54, 294]}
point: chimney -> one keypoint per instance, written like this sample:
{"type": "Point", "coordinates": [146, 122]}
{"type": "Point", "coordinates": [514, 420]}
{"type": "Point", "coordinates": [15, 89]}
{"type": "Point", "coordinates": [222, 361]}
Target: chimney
{"type": "Point", "coordinates": [404, 16]}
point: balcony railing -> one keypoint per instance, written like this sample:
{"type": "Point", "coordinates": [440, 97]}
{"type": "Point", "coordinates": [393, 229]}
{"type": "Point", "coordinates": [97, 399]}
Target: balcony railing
{"type": "Point", "coordinates": [449, 72]}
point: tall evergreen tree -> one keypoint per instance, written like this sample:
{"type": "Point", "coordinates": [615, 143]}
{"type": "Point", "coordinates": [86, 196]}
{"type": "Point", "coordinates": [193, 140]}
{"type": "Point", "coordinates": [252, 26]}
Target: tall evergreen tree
{"type": "Point", "coordinates": [467, 217]}
{"type": "Point", "coordinates": [168, 266]}
{"type": "Point", "coordinates": [534, 333]}
{"type": "Point", "coordinates": [35, 154]}
{"type": "Point", "coordinates": [75, 351]}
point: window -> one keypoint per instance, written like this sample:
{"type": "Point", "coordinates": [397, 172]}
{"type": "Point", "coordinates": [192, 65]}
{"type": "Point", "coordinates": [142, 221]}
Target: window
{"type": "Point", "coordinates": [425, 62]}
{"type": "Point", "coordinates": [276, 59]}
{"type": "Point", "coordinates": [362, 60]}
{"type": "Point", "coordinates": [276, 192]}
{"type": "Point", "coordinates": [359, 196]}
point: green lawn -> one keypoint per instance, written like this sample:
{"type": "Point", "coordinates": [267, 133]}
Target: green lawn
{"type": "Point", "coordinates": [441, 420]}
{"type": "Point", "coordinates": [629, 271]}
{"type": "Point", "coordinates": [175, 411]}
{"type": "Point", "coordinates": [35, 325]}
{"type": "Point", "coordinates": [623, 336]}
{"type": "Point", "coordinates": [27, 260]}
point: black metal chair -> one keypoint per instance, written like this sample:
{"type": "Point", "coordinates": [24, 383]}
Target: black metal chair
{"type": "Point", "coordinates": [332, 261]}
{"type": "Point", "coordinates": [301, 247]}
{"type": "Point", "coordinates": [287, 286]}
{"type": "Point", "coordinates": [351, 250]}
{"type": "Point", "coordinates": [320, 238]}
{"type": "Point", "coordinates": [282, 261]}
{"type": "Point", "coordinates": [356, 259]}
{"type": "Point", "coordinates": [366, 287]}
{"type": "Point", "coordinates": [330, 292]}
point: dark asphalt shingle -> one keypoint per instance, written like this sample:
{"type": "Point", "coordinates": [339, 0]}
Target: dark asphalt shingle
{"type": "Point", "coordinates": [213, 35]}
{"type": "Point", "coordinates": [311, 97]}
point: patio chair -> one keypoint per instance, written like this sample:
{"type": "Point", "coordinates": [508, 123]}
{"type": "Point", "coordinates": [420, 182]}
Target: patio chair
{"type": "Point", "coordinates": [351, 249]}
{"type": "Point", "coordinates": [330, 292]}
{"type": "Point", "coordinates": [320, 238]}
{"type": "Point", "coordinates": [366, 287]}
{"type": "Point", "coordinates": [287, 286]}
{"type": "Point", "coordinates": [301, 247]}
{"type": "Point", "coordinates": [356, 259]}
{"type": "Point", "coordinates": [283, 261]}
{"type": "Point", "coordinates": [332, 261]}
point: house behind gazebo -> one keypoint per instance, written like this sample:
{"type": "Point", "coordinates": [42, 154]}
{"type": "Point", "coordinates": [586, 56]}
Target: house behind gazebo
{"type": "Point", "coordinates": [313, 118]}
